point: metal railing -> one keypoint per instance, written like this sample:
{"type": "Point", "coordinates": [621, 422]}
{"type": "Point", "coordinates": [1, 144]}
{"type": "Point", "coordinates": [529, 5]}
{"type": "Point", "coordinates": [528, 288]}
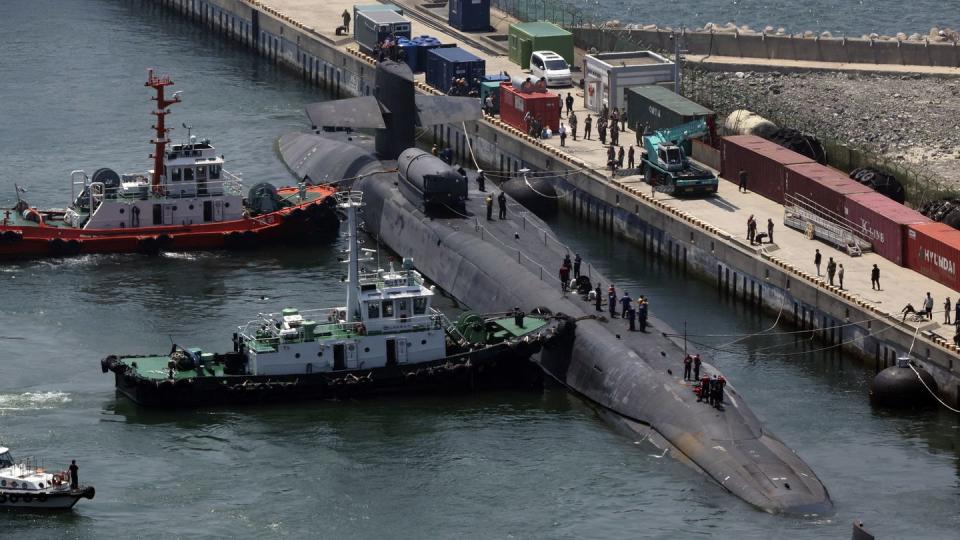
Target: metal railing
{"type": "Point", "coordinates": [805, 215]}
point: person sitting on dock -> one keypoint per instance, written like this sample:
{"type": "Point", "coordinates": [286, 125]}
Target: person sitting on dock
{"type": "Point", "coordinates": [908, 310]}
{"type": "Point", "coordinates": [625, 301]}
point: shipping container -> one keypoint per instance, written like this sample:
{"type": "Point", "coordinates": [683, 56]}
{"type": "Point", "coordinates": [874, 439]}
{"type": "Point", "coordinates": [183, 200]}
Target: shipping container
{"type": "Point", "coordinates": [658, 108]}
{"type": "Point", "coordinates": [446, 64]}
{"type": "Point", "coordinates": [524, 38]}
{"type": "Point", "coordinates": [764, 162]}
{"type": "Point", "coordinates": [469, 15]}
{"type": "Point", "coordinates": [373, 27]}
{"type": "Point", "coordinates": [933, 250]}
{"type": "Point", "coordinates": [884, 222]}
{"type": "Point", "coordinates": [514, 105]}
{"type": "Point", "coordinates": [825, 186]}
{"type": "Point", "coordinates": [360, 8]}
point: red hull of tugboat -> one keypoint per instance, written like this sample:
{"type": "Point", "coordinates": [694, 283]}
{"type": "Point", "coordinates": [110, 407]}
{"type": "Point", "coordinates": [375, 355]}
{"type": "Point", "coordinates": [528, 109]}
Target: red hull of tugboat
{"type": "Point", "coordinates": [291, 223]}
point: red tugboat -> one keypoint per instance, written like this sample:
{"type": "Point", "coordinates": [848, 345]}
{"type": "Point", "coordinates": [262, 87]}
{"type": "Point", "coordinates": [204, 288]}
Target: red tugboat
{"type": "Point", "coordinates": [187, 202]}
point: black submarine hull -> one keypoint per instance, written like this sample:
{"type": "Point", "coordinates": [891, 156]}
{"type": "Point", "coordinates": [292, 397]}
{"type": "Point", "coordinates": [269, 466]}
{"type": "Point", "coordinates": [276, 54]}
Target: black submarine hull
{"type": "Point", "coordinates": [626, 375]}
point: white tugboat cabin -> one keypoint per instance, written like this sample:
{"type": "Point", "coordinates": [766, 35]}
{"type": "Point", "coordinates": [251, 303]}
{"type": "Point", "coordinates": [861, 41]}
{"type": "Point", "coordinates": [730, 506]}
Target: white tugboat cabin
{"type": "Point", "coordinates": [387, 320]}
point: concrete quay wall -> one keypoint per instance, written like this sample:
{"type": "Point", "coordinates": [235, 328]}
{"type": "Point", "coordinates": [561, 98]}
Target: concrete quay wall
{"type": "Point", "coordinates": [774, 47]}
{"type": "Point", "coordinates": [695, 247]}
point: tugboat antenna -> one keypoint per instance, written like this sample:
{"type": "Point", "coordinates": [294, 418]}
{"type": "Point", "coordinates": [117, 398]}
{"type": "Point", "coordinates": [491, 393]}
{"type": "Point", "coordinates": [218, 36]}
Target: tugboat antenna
{"type": "Point", "coordinates": [160, 141]}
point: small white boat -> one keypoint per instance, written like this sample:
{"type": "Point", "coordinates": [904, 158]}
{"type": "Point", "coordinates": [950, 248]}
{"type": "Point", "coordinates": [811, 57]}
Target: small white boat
{"type": "Point", "coordinates": [25, 486]}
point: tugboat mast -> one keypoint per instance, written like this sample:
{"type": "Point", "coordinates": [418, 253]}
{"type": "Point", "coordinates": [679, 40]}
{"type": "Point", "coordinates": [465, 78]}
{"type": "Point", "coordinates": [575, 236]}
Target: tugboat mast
{"type": "Point", "coordinates": [350, 201]}
{"type": "Point", "coordinates": [160, 142]}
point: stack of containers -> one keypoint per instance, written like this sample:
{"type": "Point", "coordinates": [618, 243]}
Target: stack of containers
{"type": "Point", "coordinates": [764, 162]}
{"type": "Point", "coordinates": [825, 186]}
{"type": "Point", "coordinates": [884, 221]}
{"type": "Point", "coordinates": [446, 64]}
{"type": "Point", "coordinates": [933, 249]}
{"type": "Point", "coordinates": [543, 105]}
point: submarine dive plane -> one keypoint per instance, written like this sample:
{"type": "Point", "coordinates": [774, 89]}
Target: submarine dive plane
{"type": "Point", "coordinates": [495, 265]}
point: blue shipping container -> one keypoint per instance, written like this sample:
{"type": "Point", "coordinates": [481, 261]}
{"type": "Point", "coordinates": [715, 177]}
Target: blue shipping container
{"type": "Point", "coordinates": [446, 64]}
{"type": "Point", "coordinates": [469, 15]}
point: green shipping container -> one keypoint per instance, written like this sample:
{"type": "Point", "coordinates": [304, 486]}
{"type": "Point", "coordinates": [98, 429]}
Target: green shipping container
{"type": "Point", "coordinates": [524, 38]}
{"type": "Point", "coordinates": [658, 108]}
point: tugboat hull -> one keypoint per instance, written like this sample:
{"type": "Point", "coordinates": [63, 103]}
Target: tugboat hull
{"type": "Point", "coordinates": [315, 217]}
{"type": "Point", "coordinates": [498, 366]}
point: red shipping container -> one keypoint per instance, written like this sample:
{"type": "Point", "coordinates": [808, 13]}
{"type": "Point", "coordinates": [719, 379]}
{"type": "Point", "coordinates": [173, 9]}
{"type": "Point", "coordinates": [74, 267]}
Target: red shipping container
{"type": "Point", "coordinates": [933, 249]}
{"type": "Point", "coordinates": [763, 161]}
{"type": "Point", "coordinates": [884, 221]}
{"type": "Point", "coordinates": [514, 105]}
{"type": "Point", "coordinates": [823, 185]}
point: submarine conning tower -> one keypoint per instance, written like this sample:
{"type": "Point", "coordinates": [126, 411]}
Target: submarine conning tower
{"type": "Point", "coordinates": [394, 89]}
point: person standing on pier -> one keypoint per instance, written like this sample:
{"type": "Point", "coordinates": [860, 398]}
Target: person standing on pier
{"type": "Point", "coordinates": [770, 237]}
{"type": "Point", "coordinates": [832, 270]}
{"type": "Point", "coordinates": [569, 104]}
{"type": "Point", "coordinates": [946, 311]}
{"type": "Point", "coordinates": [346, 21]}
{"type": "Point", "coordinates": [586, 127]}
{"type": "Point", "coordinates": [875, 277]}
{"type": "Point", "coordinates": [489, 201]}
{"type": "Point", "coordinates": [638, 131]}
{"type": "Point", "coordinates": [572, 119]}
{"type": "Point", "coordinates": [576, 265]}
{"type": "Point", "coordinates": [956, 315]}
{"type": "Point", "coordinates": [631, 158]}
{"type": "Point", "coordinates": [840, 276]}
{"type": "Point", "coordinates": [502, 199]}
{"type": "Point", "coordinates": [614, 133]}
{"type": "Point", "coordinates": [620, 158]}
{"type": "Point", "coordinates": [481, 180]}
{"type": "Point", "coordinates": [751, 229]}
{"type": "Point", "coordinates": [563, 134]}
{"type": "Point", "coordinates": [602, 130]}
{"type": "Point", "coordinates": [817, 258]}
{"type": "Point", "coordinates": [928, 306]}
{"type": "Point", "coordinates": [743, 181]}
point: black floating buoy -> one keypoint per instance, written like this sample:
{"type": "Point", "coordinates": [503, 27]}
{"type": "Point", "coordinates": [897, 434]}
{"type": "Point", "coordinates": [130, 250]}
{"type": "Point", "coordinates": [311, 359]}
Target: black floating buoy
{"type": "Point", "coordinates": [898, 387]}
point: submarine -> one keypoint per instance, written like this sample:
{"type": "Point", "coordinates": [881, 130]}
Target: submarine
{"type": "Point", "coordinates": [492, 265]}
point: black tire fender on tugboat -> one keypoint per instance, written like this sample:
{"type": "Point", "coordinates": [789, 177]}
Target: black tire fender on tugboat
{"type": "Point", "coordinates": [43, 496]}
{"type": "Point", "coordinates": [57, 245]}
{"type": "Point", "coordinates": [11, 237]}
{"type": "Point", "coordinates": [14, 498]}
{"type": "Point", "coordinates": [148, 245]}
{"type": "Point", "coordinates": [3, 498]}
{"type": "Point", "coordinates": [27, 497]}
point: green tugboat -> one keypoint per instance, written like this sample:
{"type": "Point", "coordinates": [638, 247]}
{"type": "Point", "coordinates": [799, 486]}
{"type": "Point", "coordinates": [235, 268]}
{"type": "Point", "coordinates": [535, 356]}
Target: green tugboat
{"type": "Point", "coordinates": [386, 339]}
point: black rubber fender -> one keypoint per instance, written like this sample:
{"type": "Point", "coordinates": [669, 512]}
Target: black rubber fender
{"type": "Point", "coordinates": [28, 497]}
{"type": "Point", "coordinates": [42, 497]}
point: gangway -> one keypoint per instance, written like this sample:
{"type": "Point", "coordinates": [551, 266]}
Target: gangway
{"type": "Point", "coordinates": [816, 221]}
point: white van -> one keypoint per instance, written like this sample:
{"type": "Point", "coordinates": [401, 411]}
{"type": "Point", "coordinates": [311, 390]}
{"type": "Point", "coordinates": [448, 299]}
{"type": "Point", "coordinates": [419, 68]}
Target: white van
{"type": "Point", "coordinates": [550, 66]}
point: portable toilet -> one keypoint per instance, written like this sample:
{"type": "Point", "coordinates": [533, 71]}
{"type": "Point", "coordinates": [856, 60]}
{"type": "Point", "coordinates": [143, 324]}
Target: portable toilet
{"type": "Point", "coordinates": [524, 38]}
{"type": "Point", "coordinates": [469, 15]}
{"type": "Point", "coordinates": [492, 89]}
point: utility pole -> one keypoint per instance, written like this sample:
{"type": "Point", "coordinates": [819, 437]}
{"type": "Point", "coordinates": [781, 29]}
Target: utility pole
{"type": "Point", "coordinates": [678, 52]}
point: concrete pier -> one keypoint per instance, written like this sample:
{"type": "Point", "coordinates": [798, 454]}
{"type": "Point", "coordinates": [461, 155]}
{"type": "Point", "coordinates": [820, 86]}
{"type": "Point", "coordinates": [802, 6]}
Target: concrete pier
{"type": "Point", "coordinates": [703, 236]}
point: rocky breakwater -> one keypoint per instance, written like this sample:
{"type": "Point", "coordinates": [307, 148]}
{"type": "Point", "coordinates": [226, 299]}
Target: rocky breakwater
{"type": "Point", "coordinates": [909, 119]}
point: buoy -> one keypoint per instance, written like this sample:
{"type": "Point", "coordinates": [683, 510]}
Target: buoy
{"type": "Point", "coordinates": [898, 387]}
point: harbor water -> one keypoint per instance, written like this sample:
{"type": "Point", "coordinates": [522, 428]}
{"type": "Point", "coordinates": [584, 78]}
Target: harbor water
{"type": "Point", "coordinates": [490, 465]}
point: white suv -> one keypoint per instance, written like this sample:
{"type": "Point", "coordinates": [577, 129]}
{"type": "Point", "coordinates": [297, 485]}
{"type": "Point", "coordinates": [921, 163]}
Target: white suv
{"type": "Point", "coordinates": [550, 66]}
